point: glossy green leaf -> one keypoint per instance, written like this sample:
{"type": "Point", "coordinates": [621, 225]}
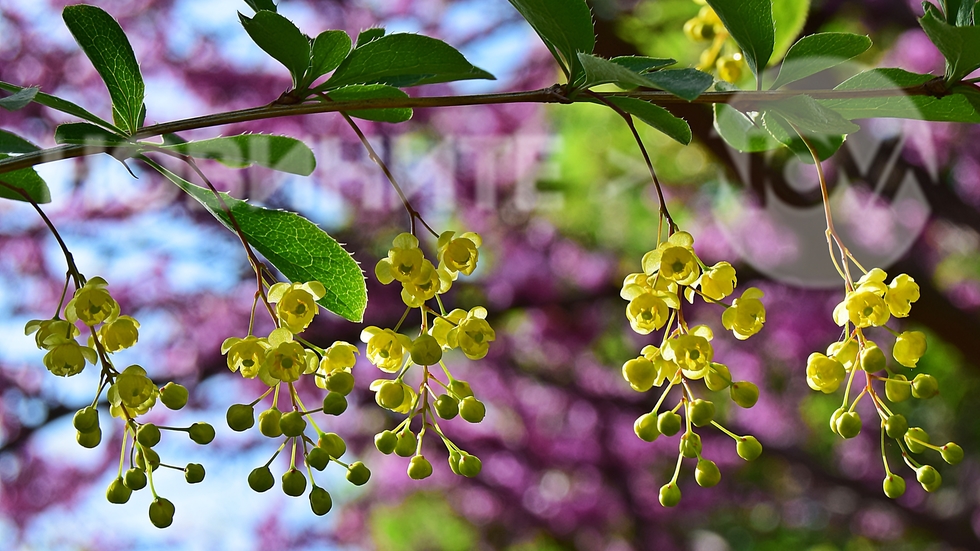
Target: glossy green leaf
{"type": "Point", "coordinates": [954, 107]}
{"type": "Point", "coordinates": [259, 5]}
{"type": "Point", "coordinates": [374, 91]}
{"type": "Point", "coordinates": [738, 130]}
{"type": "Point", "coordinates": [750, 23]}
{"type": "Point", "coordinates": [789, 17]}
{"type": "Point", "coordinates": [281, 39]}
{"type": "Point", "coordinates": [403, 60]}
{"type": "Point", "coordinates": [818, 52]}
{"type": "Point", "coordinates": [684, 83]}
{"type": "Point", "coordinates": [959, 45]}
{"type": "Point", "coordinates": [959, 12]}
{"type": "Point", "coordinates": [106, 45]}
{"type": "Point", "coordinates": [295, 246]}
{"type": "Point", "coordinates": [780, 129]}
{"type": "Point", "coordinates": [565, 27]}
{"type": "Point", "coordinates": [811, 117]}
{"type": "Point", "coordinates": [12, 143]}
{"type": "Point", "coordinates": [65, 106]}
{"type": "Point", "coordinates": [642, 64]}
{"type": "Point", "coordinates": [27, 180]}
{"type": "Point", "coordinates": [603, 71]}
{"type": "Point", "coordinates": [83, 133]}
{"type": "Point", "coordinates": [19, 99]}
{"type": "Point", "coordinates": [657, 117]}
{"type": "Point", "coordinates": [369, 35]}
{"type": "Point", "coordinates": [329, 50]}
{"type": "Point", "coordinates": [275, 152]}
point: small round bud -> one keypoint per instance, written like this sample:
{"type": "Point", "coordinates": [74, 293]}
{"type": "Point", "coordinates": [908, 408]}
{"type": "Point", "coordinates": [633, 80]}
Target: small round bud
{"type": "Point", "coordinates": [293, 482]}
{"type": "Point", "coordinates": [358, 474]}
{"type": "Point", "coordinates": [419, 468]}
{"type": "Point", "coordinates": [334, 403]}
{"type": "Point", "coordinates": [460, 389]}
{"type": "Point", "coordinates": [669, 423]}
{"type": "Point", "coordinates": [454, 459]}
{"type": "Point", "coordinates": [148, 435]}
{"type": "Point", "coordinates": [701, 412]}
{"type": "Point", "coordinates": [872, 358]}
{"type": "Point", "coordinates": [261, 479]}
{"type": "Point", "coordinates": [645, 427]}
{"type": "Point", "coordinates": [320, 501]}
{"type": "Point", "coordinates": [240, 417]}
{"type": "Point", "coordinates": [640, 373]}
{"type": "Point", "coordinates": [896, 426]}
{"type": "Point", "coordinates": [897, 389]}
{"type": "Point", "coordinates": [391, 394]}
{"type": "Point", "coordinates": [915, 437]}
{"type": "Point", "coordinates": [929, 478]}
{"type": "Point", "coordinates": [447, 407]}
{"type": "Point", "coordinates": [670, 495]}
{"type": "Point", "coordinates": [849, 424]}
{"type": "Point", "coordinates": [472, 410]}
{"type": "Point", "coordinates": [952, 453]}
{"type": "Point", "coordinates": [835, 417]}
{"type": "Point", "coordinates": [269, 423]}
{"type": "Point", "coordinates": [173, 396]}
{"type": "Point", "coordinates": [426, 351]}
{"type": "Point", "coordinates": [894, 486]}
{"type": "Point", "coordinates": [690, 444]}
{"type": "Point", "coordinates": [89, 439]}
{"type": "Point", "coordinates": [135, 479]}
{"type": "Point", "coordinates": [118, 492]}
{"type": "Point", "coordinates": [748, 448]}
{"type": "Point", "coordinates": [201, 433]}
{"type": "Point", "coordinates": [86, 419]}
{"type": "Point", "coordinates": [385, 441]}
{"type": "Point", "coordinates": [340, 382]}
{"type": "Point", "coordinates": [147, 456]}
{"type": "Point", "coordinates": [405, 446]}
{"type": "Point", "coordinates": [718, 377]}
{"type": "Point", "coordinates": [707, 474]}
{"type": "Point", "coordinates": [333, 444]}
{"type": "Point", "coordinates": [194, 473]}
{"type": "Point", "coordinates": [292, 424]}
{"type": "Point", "coordinates": [469, 465]}
{"type": "Point", "coordinates": [744, 393]}
{"type": "Point", "coordinates": [924, 386]}
{"type": "Point", "coordinates": [318, 458]}
{"type": "Point", "coordinates": [161, 512]}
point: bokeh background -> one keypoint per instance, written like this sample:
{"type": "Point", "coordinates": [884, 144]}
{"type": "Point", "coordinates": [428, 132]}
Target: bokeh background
{"type": "Point", "coordinates": [566, 209]}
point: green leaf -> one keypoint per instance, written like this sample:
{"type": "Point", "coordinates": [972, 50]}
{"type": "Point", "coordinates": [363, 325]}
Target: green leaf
{"type": "Point", "coordinates": [789, 17]}
{"type": "Point", "coordinates": [18, 99]}
{"type": "Point", "coordinates": [83, 133]}
{"type": "Point", "coordinates": [959, 12]}
{"type": "Point", "coordinates": [11, 143]}
{"type": "Point", "coordinates": [657, 117]}
{"type": "Point", "coordinates": [953, 108]}
{"type": "Point", "coordinates": [369, 35]}
{"type": "Point", "coordinates": [281, 39]}
{"type": "Point", "coordinates": [780, 129]}
{"type": "Point", "coordinates": [684, 83]}
{"type": "Point", "coordinates": [329, 50]}
{"type": "Point", "coordinates": [294, 245]}
{"type": "Point", "coordinates": [106, 45]}
{"type": "Point", "coordinates": [565, 27]}
{"type": "Point", "coordinates": [738, 131]}
{"type": "Point", "coordinates": [602, 71]}
{"type": "Point", "coordinates": [65, 106]}
{"type": "Point", "coordinates": [373, 91]}
{"type": "Point", "coordinates": [811, 117]}
{"type": "Point", "coordinates": [818, 52]}
{"type": "Point", "coordinates": [259, 5]}
{"type": "Point", "coordinates": [27, 180]}
{"type": "Point", "coordinates": [402, 60]}
{"type": "Point", "coordinates": [959, 45]}
{"type": "Point", "coordinates": [642, 64]}
{"type": "Point", "coordinates": [750, 23]}
{"type": "Point", "coordinates": [275, 152]}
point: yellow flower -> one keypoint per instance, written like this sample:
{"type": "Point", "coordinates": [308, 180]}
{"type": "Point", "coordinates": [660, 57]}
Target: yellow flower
{"type": "Point", "coordinates": [691, 352]}
{"type": "Point", "coordinates": [340, 356]}
{"type": "Point", "coordinates": [473, 335]}
{"type": "Point", "coordinates": [909, 347]}
{"type": "Point", "coordinates": [245, 355]}
{"type": "Point", "coordinates": [407, 402]}
{"type": "Point", "coordinates": [902, 292]}
{"type": "Point", "coordinates": [120, 333]}
{"type": "Point", "coordinates": [666, 369]}
{"type": "Point", "coordinates": [844, 352]}
{"type": "Point", "coordinates": [863, 309]}
{"type": "Point", "coordinates": [51, 333]}
{"type": "Point", "coordinates": [460, 254]}
{"type": "Point", "coordinates": [425, 285]}
{"type": "Point", "coordinates": [442, 325]}
{"type": "Point", "coordinates": [873, 281]}
{"type": "Point", "coordinates": [641, 374]}
{"type": "Point", "coordinates": [133, 393]}
{"type": "Point", "coordinates": [746, 315]}
{"type": "Point", "coordinates": [718, 281]}
{"type": "Point", "coordinates": [288, 360]}
{"type": "Point", "coordinates": [385, 348]}
{"type": "Point", "coordinates": [296, 303]}
{"type": "Point", "coordinates": [647, 313]}
{"type": "Point", "coordinates": [68, 358]}
{"type": "Point", "coordinates": [404, 260]}
{"type": "Point", "coordinates": [92, 304]}
{"type": "Point", "coordinates": [823, 373]}
{"type": "Point", "coordinates": [674, 259]}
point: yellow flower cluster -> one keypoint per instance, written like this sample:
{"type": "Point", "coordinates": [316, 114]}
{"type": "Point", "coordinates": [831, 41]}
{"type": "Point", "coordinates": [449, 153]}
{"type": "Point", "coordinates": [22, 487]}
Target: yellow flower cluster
{"type": "Point", "coordinates": [722, 55]}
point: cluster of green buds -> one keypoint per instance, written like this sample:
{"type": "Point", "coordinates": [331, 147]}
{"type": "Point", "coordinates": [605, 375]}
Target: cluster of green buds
{"type": "Point", "coordinates": [722, 55]}
{"type": "Point", "coordinates": [673, 272]}
{"type": "Point", "coordinates": [439, 331]}
{"type": "Point", "coordinates": [867, 304]}
{"type": "Point", "coordinates": [131, 393]}
{"type": "Point", "coordinates": [279, 360]}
